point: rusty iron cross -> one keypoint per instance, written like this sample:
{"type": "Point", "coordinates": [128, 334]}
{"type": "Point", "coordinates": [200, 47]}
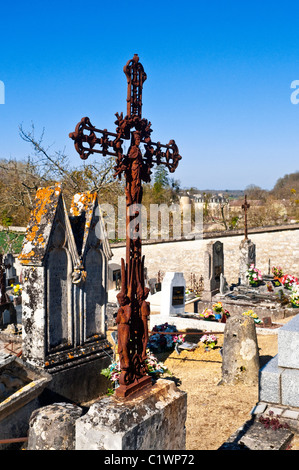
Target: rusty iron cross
{"type": "Point", "coordinates": [245, 207]}
{"type": "Point", "coordinates": [134, 310]}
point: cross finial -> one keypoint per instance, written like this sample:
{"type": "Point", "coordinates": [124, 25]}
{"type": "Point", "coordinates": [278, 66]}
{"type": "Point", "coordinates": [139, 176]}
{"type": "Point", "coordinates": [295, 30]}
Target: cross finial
{"type": "Point", "coordinates": [245, 207]}
{"type": "Point", "coordinates": [136, 76]}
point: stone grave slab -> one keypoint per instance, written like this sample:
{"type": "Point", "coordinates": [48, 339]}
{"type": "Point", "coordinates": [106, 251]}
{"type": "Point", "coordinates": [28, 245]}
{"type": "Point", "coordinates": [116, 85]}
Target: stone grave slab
{"type": "Point", "coordinates": [257, 437]}
{"type": "Point", "coordinates": [20, 384]}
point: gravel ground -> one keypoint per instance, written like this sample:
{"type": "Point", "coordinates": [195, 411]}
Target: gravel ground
{"type": "Point", "coordinates": [215, 412]}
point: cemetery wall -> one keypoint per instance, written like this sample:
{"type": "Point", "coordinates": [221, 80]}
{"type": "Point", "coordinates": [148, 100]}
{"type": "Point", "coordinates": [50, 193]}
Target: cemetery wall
{"type": "Point", "coordinates": [279, 247]}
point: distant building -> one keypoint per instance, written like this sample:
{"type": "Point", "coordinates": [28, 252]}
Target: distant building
{"type": "Point", "coordinates": [213, 201]}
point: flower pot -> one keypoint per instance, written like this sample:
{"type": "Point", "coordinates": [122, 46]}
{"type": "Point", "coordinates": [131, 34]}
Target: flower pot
{"type": "Point", "coordinates": [254, 283]}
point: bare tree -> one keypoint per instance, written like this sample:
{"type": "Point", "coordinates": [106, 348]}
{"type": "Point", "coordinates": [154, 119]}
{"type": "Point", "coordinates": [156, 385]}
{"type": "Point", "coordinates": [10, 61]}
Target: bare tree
{"type": "Point", "coordinates": [19, 180]}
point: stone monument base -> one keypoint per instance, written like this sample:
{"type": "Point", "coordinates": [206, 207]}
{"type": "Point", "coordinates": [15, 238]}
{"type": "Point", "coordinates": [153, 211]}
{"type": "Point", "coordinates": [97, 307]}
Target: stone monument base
{"type": "Point", "coordinates": [152, 420]}
{"type": "Point", "coordinates": [279, 378]}
{"type": "Point", "coordinates": [207, 296]}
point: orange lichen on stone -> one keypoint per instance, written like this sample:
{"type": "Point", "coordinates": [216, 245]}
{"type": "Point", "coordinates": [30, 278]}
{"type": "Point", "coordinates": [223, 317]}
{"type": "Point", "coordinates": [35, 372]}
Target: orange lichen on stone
{"type": "Point", "coordinates": [82, 202]}
{"type": "Point", "coordinates": [46, 200]}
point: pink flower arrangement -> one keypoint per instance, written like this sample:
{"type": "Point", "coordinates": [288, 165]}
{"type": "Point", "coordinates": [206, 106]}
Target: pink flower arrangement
{"type": "Point", "coordinates": [288, 281]}
{"type": "Point", "coordinates": [207, 313]}
{"type": "Point", "coordinates": [254, 274]}
{"type": "Point", "coordinates": [277, 271]}
{"type": "Point", "coordinates": [178, 339]}
{"type": "Point", "coordinates": [209, 340]}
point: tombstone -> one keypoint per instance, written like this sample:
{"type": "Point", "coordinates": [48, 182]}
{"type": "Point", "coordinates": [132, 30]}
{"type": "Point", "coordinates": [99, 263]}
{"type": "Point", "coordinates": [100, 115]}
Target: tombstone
{"type": "Point", "coordinates": [7, 310]}
{"type": "Point", "coordinates": [114, 275]}
{"type": "Point", "coordinates": [247, 257]}
{"type": "Point", "coordinates": [240, 356]}
{"type": "Point", "coordinates": [173, 294]}
{"type": "Point", "coordinates": [11, 274]}
{"type": "Point", "coordinates": [223, 285]}
{"type": "Point", "coordinates": [213, 268]}
{"type": "Point", "coordinates": [64, 293]}
{"type": "Point", "coordinates": [152, 285]}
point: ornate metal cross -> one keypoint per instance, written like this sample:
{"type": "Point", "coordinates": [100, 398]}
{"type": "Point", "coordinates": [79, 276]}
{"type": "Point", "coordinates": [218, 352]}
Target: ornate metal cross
{"type": "Point", "coordinates": [245, 207]}
{"type": "Point", "coordinates": [134, 310]}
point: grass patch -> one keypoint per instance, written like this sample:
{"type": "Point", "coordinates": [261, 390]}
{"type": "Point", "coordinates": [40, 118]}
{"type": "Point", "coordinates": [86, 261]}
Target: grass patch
{"type": "Point", "coordinates": [11, 242]}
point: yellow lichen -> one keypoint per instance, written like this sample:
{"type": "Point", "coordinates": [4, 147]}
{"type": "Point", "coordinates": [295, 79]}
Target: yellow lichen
{"type": "Point", "coordinates": [43, 199]}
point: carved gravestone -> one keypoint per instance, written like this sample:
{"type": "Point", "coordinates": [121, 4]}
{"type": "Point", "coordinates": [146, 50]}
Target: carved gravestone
{"type": "Point", "coordinates": [213, 268]}
{"type": "Point", "coordinates": [64, 267]}
{"type": "Point", "coordinates": [94, 250]}
{"type": "Point", "coordinates": [247, 257]}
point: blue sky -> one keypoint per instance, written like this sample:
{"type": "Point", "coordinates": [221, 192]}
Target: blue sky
{"type": "Point", "coordinates": [219, 77]}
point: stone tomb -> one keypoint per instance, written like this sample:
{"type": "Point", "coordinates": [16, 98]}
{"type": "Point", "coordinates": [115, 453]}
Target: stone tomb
{"type": "Point", "coordinates": [64, 268]}
{"type": "Point", "coordinates": [279, 378]}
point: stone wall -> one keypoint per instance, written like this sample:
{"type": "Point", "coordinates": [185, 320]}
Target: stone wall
{"type": "Point", "coordinates": [281, 247]}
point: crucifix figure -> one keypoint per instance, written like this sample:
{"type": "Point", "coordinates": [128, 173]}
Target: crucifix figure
{"type": "Point", "coordinates": [245, 207]}
{"type": "Point", "coordinates": [135, 166]}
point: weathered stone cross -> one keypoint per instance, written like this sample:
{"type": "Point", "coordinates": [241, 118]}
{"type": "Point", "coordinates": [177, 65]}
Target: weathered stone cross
{"type": "Point", "coordinates": [132, 316]}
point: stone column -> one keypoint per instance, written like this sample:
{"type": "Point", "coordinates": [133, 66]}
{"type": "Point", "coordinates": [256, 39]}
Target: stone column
{"type": "Point", "coordinates": [240, 354]}
{"type": "Point", "coordinates": [52, 427]}
{"type": "Point", "coordinates": [213, 268]}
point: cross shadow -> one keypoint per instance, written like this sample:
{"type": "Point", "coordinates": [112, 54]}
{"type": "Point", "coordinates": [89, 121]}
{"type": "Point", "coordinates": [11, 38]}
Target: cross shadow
{"type": "Point", "coordinates": [234, 443]}
{"type": "Point", "coordinates": [264, 360]}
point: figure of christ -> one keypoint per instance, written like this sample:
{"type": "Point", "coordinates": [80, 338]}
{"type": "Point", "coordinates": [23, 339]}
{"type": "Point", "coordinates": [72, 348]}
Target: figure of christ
{"type": "Point", "coordinates": [134, 174]}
